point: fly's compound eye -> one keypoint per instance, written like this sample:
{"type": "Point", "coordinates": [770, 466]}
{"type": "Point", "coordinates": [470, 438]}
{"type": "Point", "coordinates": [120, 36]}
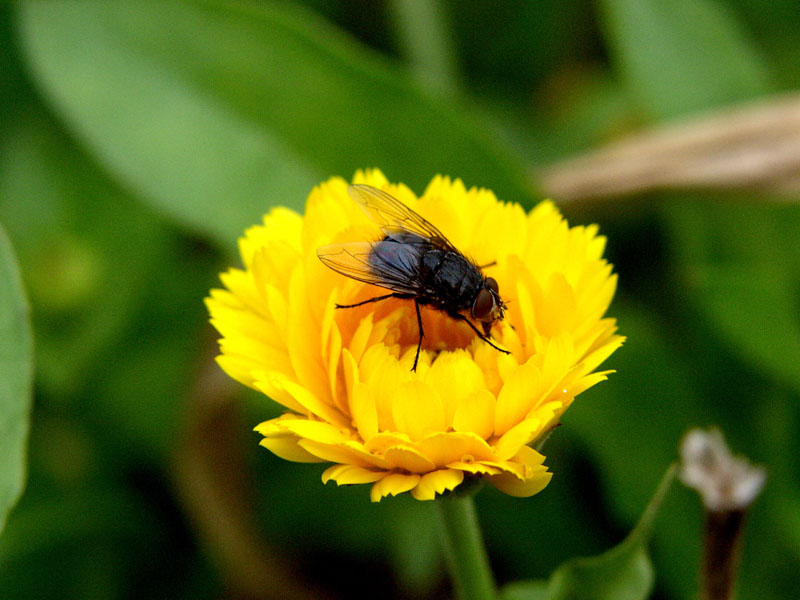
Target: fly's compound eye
{"type": "Point", "coordinates": [491, 283]}
{"type": "Point", "coordinates": [483, 307]}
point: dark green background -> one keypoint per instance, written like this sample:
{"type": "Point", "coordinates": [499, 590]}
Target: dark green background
{"type": "Point", "coordinates": [139, 139]}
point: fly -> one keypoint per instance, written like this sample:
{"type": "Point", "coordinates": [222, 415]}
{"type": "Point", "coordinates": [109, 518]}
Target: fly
{"type": "Point", "coordinates": [416, 262]}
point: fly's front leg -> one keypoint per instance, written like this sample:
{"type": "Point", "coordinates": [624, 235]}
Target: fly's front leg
{"type": "Point", "coordinates": [460, 317]}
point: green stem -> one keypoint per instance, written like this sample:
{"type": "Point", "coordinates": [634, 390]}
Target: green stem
{"type": "Point", "coordinates": [464, 550]}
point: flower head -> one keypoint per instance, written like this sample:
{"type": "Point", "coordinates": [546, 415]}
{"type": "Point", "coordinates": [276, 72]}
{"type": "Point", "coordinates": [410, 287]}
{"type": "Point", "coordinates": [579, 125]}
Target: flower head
{"type": "Point", "coordinates": [345, 375]}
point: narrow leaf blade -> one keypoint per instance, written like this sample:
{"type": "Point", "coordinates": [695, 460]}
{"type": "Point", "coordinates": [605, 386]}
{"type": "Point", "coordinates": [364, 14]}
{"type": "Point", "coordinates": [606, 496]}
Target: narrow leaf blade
{"type": "Point", "coordinates": [622, 573]}
{"type": "Point", "coordinates": [16, 375]}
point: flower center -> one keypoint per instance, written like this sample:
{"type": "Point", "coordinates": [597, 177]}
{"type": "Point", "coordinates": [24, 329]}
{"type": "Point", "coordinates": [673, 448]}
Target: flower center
{"type": "Point", "coordinates": [399, 317]}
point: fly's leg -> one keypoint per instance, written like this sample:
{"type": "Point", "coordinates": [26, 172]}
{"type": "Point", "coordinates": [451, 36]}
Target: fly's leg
{"type": "Point", "coordinates": [402, 297]}
{"type": "Point", "coordinates": [421, 335]}
{"type": "Point", "coordinates": [375, 299]}
{"type": "Point", "coordinates": [460, 317]}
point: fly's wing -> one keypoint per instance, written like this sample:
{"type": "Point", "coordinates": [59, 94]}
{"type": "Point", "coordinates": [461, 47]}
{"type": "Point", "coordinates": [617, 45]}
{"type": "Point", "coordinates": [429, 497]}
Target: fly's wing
{"type": "Point", "coordinates": [392, 266]}
{"type": "Point", "coordinates": [392, 216]}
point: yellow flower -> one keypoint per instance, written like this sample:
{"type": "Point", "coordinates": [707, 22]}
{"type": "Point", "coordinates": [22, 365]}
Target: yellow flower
{"type": "Point", "coordinates": [345, 376]}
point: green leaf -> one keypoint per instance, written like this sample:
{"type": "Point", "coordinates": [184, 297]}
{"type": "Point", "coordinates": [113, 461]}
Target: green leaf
{"type": "Point", "coordinates": [85, 539]}
{"type": "Point", "coordinates": [526, 590]}
{"type": "Point", "coordinates": [739, 262]}
{"type": "Point", "coordinates": [681, 56]}
{"type": "Point", "coordinates": [87, 249]}
{"type": "Point", "coordinates": [622, 573]}
{"type": "Point", "coordinates": [16, 375]}
{"type": "Point", "coordinates": [213, 111]}
{"type": "Point", "coordinates": [774, 25]}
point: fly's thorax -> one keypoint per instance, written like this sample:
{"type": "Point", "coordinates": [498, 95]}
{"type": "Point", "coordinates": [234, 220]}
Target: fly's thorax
{"type": "Point", "coordinates": [452, 279]}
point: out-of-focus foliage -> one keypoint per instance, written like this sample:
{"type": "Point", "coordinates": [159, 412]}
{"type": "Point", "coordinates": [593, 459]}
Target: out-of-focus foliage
{"type": "Point", "coordinates": [138, 140]}
{"type": "Point", "coordinates": [623, 572]}
{"type": "Point", "coordinates": [16, 375]}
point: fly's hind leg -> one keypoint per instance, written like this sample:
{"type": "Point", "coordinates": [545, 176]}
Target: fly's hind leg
{"type": "Point", "coordinates": [460, 317]}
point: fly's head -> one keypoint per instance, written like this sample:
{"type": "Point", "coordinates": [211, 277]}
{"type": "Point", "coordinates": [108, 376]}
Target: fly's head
{"type": "Point", "coordinates": [488, 306]}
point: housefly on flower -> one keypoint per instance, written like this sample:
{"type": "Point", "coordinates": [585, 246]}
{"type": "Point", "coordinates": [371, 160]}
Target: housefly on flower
{"type": "Point", "coordinates": [416, 262]}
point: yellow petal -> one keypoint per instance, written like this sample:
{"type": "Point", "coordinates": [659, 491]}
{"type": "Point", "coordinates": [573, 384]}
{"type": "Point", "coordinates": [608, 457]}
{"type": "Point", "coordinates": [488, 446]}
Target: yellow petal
{"type": "Point", "coordinates": [558, 311]}
{"type": "Point", "coordinates": [597, 356]}
{"type": "Point", "coordinates": [437, 482]}
{"type": "Point", "coordinates": [384, 376]}
{"type": "Point", "coordinates": [387, 439]}
{"type": "Point", "coordinates": [508, 484]}
{"type": "Point", "coordinates": [286, 447]}
{"type": "Point", "coordinates": [344, 452]}
{"type": "Point", "coordinates": [309, 401]}
{"type": "Point", "coordinates": [408, 459]}
{"type": "Point", "coordinates": [475, 414]}
{"type": "Point", "coordinates": [518, 436]}
{"type": "Point", "coordinates": [443, 448]}
{"type": "Point", "coordinates": [358, 343]}
{"type": "Point", "coordinates": [584, 383]}
{"type": "Point", "coordinates": [417, 410]}
{"type": "Point", "coordinates": [269, 385]}
{"type": "Point", "coordinates": [280, 224]}
{"type": "Point", "coordinates": [559, 358]}
{"type": "Point", "coordinates": [363, 410]}
{"type": "Point", "coordinates": [476, 468]}
{"type": "Point", "coordinates": [534, 476]}
{"type": "Point", "coordinates": [393, 484]}
{"type": "Point", "coordinates": [350, 474]}
{"type": "Point", "coordinates": [455, 376]}
{"type": "Point", "coordinates": [517, 396]}
{"type": "Point", "coordinates": [526, 322]}
{"type": "Point", "coordinates": [302, 338]}
{"type": "Point", "coordinates": [318, 431]}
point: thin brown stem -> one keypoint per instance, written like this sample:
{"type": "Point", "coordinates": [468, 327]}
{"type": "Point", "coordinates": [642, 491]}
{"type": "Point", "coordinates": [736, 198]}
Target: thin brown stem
{"type": "Point", "coordinates": [721, 550]}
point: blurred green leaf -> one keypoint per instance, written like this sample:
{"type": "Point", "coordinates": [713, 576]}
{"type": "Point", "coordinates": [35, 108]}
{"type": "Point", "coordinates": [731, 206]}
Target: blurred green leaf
{"type": "Point", "coordinates": [146, 385]}
{"type": "Point", "coordinates": [16, 379]}
{"type": "Point", "coordinates": [774, 24]}
{"type": "Point", "coordinates": [589, 109]}
{"type": "Point", "coordinates": [622, 573]}
{"type": "Point", "coordinates": [214, 111]}
{"type": "Point", "coordinates": [422, 35]}
{"type": "Point", "coordinates": [681, 56]}
{"type": "Point", "coordinates": [611, 418]}
{"type": "Point", "coordinates": [508, 49]}
{"type": "Point", "coordinates": [740, 263]}
{"type": "Point", "coordinates": [632, 425]}
{"type": "Point", "coordinates": [87, 250]}
{"type": "Point", "coordinates": [13, 89]}
{"type": "Point", "coordinates": [65, 534]}
{"type": "Point", "coordinates": [526, 590]}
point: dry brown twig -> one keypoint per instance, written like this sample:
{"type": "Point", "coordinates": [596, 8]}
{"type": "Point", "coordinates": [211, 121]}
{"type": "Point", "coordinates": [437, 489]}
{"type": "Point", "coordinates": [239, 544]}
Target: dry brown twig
{"type": "Point", "coordinates": [210, 479]}
{"type": "Point", "coordinates": [751, 146]}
